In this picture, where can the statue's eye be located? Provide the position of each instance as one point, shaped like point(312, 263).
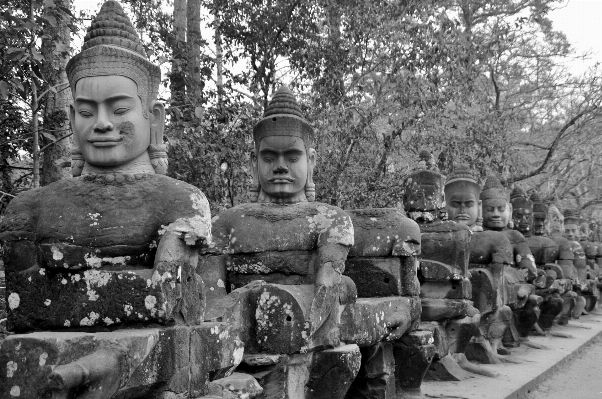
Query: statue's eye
point(293, 159)
point(121, 110)
point(85, 113)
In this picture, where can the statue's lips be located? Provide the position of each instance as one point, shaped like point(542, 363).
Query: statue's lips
point(105, 141)
point(496, 221)
point(280, 180)
point(462, 217)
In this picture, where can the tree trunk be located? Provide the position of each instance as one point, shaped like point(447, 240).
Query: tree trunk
point(193, 44)
point(178, 64)
point(56, 110)
point(219, 55)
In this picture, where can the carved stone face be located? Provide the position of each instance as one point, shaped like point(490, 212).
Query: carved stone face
point(571, 231)
point(282, 164)
point(462, 207)
point(496, 213)
point(424, 197)
point(522, 216)
point(539, 223)
point(555, 225)
point(108, 121)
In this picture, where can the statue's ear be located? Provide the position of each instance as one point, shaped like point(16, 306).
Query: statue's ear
point(311, 159)
point(157, 121)
point(72, 119)
point(310, 186)
point(254, 189)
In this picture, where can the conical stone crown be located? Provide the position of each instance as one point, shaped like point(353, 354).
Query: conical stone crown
point(283, 117)
point(283, 102)
point(538, 205)
point(493, 188)
point(112, 27)
point(518, 193)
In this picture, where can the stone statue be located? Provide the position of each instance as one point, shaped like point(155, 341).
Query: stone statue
point(590, 289)
point(383, 264)
point(445, 289)
point(545, 252)
point(566, 270)
point(462, 201)
point(115, 246)
point(278, 263)
point(573, 234)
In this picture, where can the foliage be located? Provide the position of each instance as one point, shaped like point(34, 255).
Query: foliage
point(471, 81)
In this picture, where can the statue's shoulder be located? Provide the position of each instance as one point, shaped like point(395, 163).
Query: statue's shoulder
point(541, 242)
point(391, 221)
point(442, 226)
point(19, 217)
point(173, 191)
point(515, 236)
point(383, 232)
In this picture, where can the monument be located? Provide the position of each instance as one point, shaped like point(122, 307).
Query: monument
point(445, 288)
point(108, 260)
point(278, 267)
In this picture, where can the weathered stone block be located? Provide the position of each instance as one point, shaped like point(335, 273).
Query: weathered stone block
point(283, 320)
point(455, 289)
point(50, 299)
point(212, 269)
point(412, 361)
point(372, 320)
point(151, 360)
point(487, 287)
point(381, 277)
point(235, 386)
point(443, 309)
point(448, 243)
point(376, 378)
point(332, 372)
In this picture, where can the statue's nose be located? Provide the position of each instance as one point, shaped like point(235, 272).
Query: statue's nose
point(103, 124)
point(280, 169)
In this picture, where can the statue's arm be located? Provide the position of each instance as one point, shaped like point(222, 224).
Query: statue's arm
point(18, 234)
point(333, 246)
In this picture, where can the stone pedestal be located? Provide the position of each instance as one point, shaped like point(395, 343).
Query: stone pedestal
point(136, 363)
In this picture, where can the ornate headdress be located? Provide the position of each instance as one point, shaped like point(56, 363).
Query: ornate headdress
point(464, 178)
point(538, 205)
point(283, 117)
point(493, 188)
point(570, 216)
point(112, 47)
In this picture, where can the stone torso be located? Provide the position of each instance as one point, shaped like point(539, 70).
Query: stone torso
point(277, 242)
point(99, 221)
point(544, 249)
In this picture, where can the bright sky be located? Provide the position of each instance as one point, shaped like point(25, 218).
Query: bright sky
point(581, 22)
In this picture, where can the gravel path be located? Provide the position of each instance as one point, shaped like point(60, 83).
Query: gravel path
point(579, 379)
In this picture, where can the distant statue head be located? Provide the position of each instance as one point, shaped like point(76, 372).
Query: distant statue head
point(495, 204)
point(284, 158)
point(555, 222)
point(540, 215)
point(117, 122)
point(462, 195)
point(423, 198)
point(571, 225)
point(522, 211)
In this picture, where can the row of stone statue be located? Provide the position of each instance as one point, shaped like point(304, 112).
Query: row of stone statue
point(120, 285)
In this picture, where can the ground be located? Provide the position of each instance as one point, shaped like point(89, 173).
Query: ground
point(581, 378)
